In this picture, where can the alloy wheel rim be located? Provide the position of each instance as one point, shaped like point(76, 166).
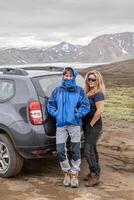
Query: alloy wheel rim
point(4, 157)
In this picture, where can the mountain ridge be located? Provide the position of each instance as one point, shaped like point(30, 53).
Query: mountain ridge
point(103, 48)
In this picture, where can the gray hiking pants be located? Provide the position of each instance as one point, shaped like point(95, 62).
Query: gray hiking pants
point(62, 134)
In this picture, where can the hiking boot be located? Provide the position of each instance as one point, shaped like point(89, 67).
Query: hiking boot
point(74, 181)
point(93, 180)
point(87, 177)
point(67, 179)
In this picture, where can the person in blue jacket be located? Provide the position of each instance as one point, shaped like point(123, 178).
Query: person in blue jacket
point(68, 104)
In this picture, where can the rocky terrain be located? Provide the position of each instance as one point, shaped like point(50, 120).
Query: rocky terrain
point(118, 73)
point(42, 179)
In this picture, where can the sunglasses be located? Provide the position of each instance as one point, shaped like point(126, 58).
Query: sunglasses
point(91, 79)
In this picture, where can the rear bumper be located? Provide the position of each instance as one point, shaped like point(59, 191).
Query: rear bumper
point(31, 141)
point(41, 151)
point(36, 151)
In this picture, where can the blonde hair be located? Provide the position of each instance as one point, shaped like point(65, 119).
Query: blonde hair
point(99, 84)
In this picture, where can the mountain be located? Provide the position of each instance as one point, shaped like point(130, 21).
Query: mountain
point(109, 47)
point(104, 48)
point(63, 52)
point(20, 56)
point(118, 73)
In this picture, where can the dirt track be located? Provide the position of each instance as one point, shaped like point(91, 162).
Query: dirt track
point(42, 180)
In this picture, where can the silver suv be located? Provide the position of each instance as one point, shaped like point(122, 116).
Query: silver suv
point(26, 129)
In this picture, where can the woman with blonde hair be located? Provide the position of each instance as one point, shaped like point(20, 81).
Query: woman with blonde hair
point(92, 124)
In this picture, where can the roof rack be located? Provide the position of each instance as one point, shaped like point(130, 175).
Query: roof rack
point(14, 71)
point(49, 68)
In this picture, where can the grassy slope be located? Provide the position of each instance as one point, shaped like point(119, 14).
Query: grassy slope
point(119, 81)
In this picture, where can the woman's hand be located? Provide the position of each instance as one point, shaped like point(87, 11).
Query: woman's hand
point(91, 124)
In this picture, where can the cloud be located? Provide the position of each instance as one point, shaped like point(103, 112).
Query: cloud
point(25, 42)
point(71, 20)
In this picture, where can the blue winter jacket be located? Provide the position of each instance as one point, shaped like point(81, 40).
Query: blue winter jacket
point(68, 103)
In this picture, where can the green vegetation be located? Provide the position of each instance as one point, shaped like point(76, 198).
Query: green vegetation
point(119, 103)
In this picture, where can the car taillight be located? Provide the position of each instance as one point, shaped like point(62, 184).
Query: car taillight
point(35, 113)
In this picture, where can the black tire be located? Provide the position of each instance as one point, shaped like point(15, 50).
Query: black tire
point(10, 161)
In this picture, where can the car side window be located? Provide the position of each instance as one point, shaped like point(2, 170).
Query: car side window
point(6, 89)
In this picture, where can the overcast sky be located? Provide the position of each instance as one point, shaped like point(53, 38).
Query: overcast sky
point(47, 22)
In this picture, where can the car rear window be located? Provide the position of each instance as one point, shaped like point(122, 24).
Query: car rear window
point(47, 84)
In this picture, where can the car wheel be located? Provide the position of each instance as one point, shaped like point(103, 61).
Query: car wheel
point(10, 161)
